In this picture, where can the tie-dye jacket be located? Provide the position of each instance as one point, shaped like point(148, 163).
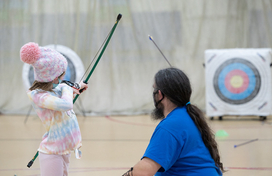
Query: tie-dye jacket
point(55, 111)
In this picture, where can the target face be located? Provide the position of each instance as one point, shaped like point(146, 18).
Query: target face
point(74, 71)
point(238, 82)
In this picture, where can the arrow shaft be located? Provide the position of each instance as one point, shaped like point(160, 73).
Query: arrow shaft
point(160, 51)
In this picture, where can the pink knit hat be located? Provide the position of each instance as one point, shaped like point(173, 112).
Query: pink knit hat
point(47, 63)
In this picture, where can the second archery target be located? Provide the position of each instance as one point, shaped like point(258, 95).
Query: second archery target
point(238, 82)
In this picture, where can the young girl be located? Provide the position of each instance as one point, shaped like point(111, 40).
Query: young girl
point(53, 103)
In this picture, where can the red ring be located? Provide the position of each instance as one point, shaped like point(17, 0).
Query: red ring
point(244, 86)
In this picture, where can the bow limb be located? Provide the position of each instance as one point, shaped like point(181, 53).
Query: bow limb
point(100, 55)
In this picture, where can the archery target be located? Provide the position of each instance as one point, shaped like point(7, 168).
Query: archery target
point(75, 68)
point(238, 82)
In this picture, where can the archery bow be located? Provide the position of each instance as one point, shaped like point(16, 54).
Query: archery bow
point(106, 41)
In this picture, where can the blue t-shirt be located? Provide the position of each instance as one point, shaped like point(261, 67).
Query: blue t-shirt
point(177, 146)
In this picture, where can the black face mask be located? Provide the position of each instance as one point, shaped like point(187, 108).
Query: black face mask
point(157, 113)
point(158, 102)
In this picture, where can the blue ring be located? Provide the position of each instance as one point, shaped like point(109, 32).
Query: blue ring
point(67, 74)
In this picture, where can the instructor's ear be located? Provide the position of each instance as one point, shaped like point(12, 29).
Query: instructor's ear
point(160, 94)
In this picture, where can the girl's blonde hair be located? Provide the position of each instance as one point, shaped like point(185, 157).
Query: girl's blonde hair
point(46, 86)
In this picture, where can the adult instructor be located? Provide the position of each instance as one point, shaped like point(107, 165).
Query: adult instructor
point(182, 143)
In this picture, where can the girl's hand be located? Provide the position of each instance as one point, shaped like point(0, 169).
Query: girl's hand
point(75, 91)
point(83, 86)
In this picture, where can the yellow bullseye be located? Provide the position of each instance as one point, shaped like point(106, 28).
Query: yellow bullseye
point(236, 81)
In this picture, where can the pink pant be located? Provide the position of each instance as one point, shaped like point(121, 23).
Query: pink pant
point(54, 165)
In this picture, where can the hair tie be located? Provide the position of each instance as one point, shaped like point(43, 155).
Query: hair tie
point(187, 103)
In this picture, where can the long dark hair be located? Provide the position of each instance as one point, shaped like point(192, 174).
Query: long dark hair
point(175, 85)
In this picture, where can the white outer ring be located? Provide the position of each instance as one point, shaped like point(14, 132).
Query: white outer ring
point(251, 107)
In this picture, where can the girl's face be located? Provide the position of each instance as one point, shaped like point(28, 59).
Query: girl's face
point(56, 81)
point(61, 77)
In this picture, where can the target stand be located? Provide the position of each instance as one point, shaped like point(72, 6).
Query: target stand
point(74, 71)
point(238, 82)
